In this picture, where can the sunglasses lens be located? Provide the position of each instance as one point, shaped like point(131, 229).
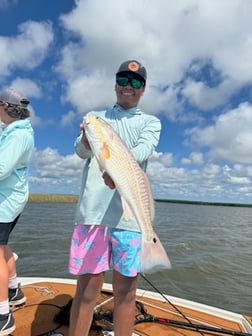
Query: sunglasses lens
point(122, 81)
point(136, 84)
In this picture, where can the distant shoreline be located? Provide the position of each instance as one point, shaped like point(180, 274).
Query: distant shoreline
point(53, 198)
point(62, 198)
point(205, 203)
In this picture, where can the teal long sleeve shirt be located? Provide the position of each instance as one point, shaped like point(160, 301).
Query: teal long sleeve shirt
point(98, 204)
point(16, 148)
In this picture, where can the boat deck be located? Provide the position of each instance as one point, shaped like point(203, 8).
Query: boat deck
point(45, 300)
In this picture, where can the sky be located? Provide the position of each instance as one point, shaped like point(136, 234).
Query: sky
point(63, 55)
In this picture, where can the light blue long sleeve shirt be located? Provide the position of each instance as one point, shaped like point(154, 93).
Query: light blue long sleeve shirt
point(98, 204)
point(16, 148)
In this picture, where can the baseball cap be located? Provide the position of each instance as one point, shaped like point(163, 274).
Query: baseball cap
point(13, 97)
point(133, 66)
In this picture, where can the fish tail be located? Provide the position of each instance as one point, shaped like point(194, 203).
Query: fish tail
point(153, 256)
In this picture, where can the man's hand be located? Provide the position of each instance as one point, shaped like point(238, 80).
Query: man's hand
point(108, 180)
point(84, 138)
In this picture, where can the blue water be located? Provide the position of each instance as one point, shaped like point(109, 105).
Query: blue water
point(210, 248)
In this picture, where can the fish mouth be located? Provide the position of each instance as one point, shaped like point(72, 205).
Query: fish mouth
point(86, 120)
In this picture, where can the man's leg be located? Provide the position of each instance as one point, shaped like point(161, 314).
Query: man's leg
point(124, 289)
point(10, 262)
point(87, 292)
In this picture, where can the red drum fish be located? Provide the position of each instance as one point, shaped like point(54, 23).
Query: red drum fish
point(115, 158)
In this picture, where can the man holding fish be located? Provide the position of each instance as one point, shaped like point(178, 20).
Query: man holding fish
point(113, 224)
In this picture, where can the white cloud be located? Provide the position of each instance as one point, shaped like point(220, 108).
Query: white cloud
point(51, 164)
point(206, 98)
point(67, 119)
point(211, 170)
point(80, 88)
point(27, 49)
point(27, 86)
point(194, 158)
point(239, 180)
point(229, 138)
point(164, 158)
point(52, 170)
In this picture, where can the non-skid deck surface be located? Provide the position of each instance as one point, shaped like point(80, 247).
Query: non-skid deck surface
point(45, 299)
point(43, 302)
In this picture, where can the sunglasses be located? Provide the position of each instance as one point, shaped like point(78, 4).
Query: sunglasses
point(124, 81)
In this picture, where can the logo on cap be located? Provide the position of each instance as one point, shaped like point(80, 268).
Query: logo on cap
point(133, 66)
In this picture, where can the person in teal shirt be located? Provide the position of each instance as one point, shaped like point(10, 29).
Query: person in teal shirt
point(102, 239)
point(16, 149)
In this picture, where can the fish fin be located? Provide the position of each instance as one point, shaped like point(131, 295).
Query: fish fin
point(105, 151)
point(127, 214)
point(153, 256)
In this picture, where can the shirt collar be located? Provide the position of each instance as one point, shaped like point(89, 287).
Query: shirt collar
point(132, 110)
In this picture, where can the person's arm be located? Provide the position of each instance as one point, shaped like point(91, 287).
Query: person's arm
point(148, 140)
point(81, 145)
